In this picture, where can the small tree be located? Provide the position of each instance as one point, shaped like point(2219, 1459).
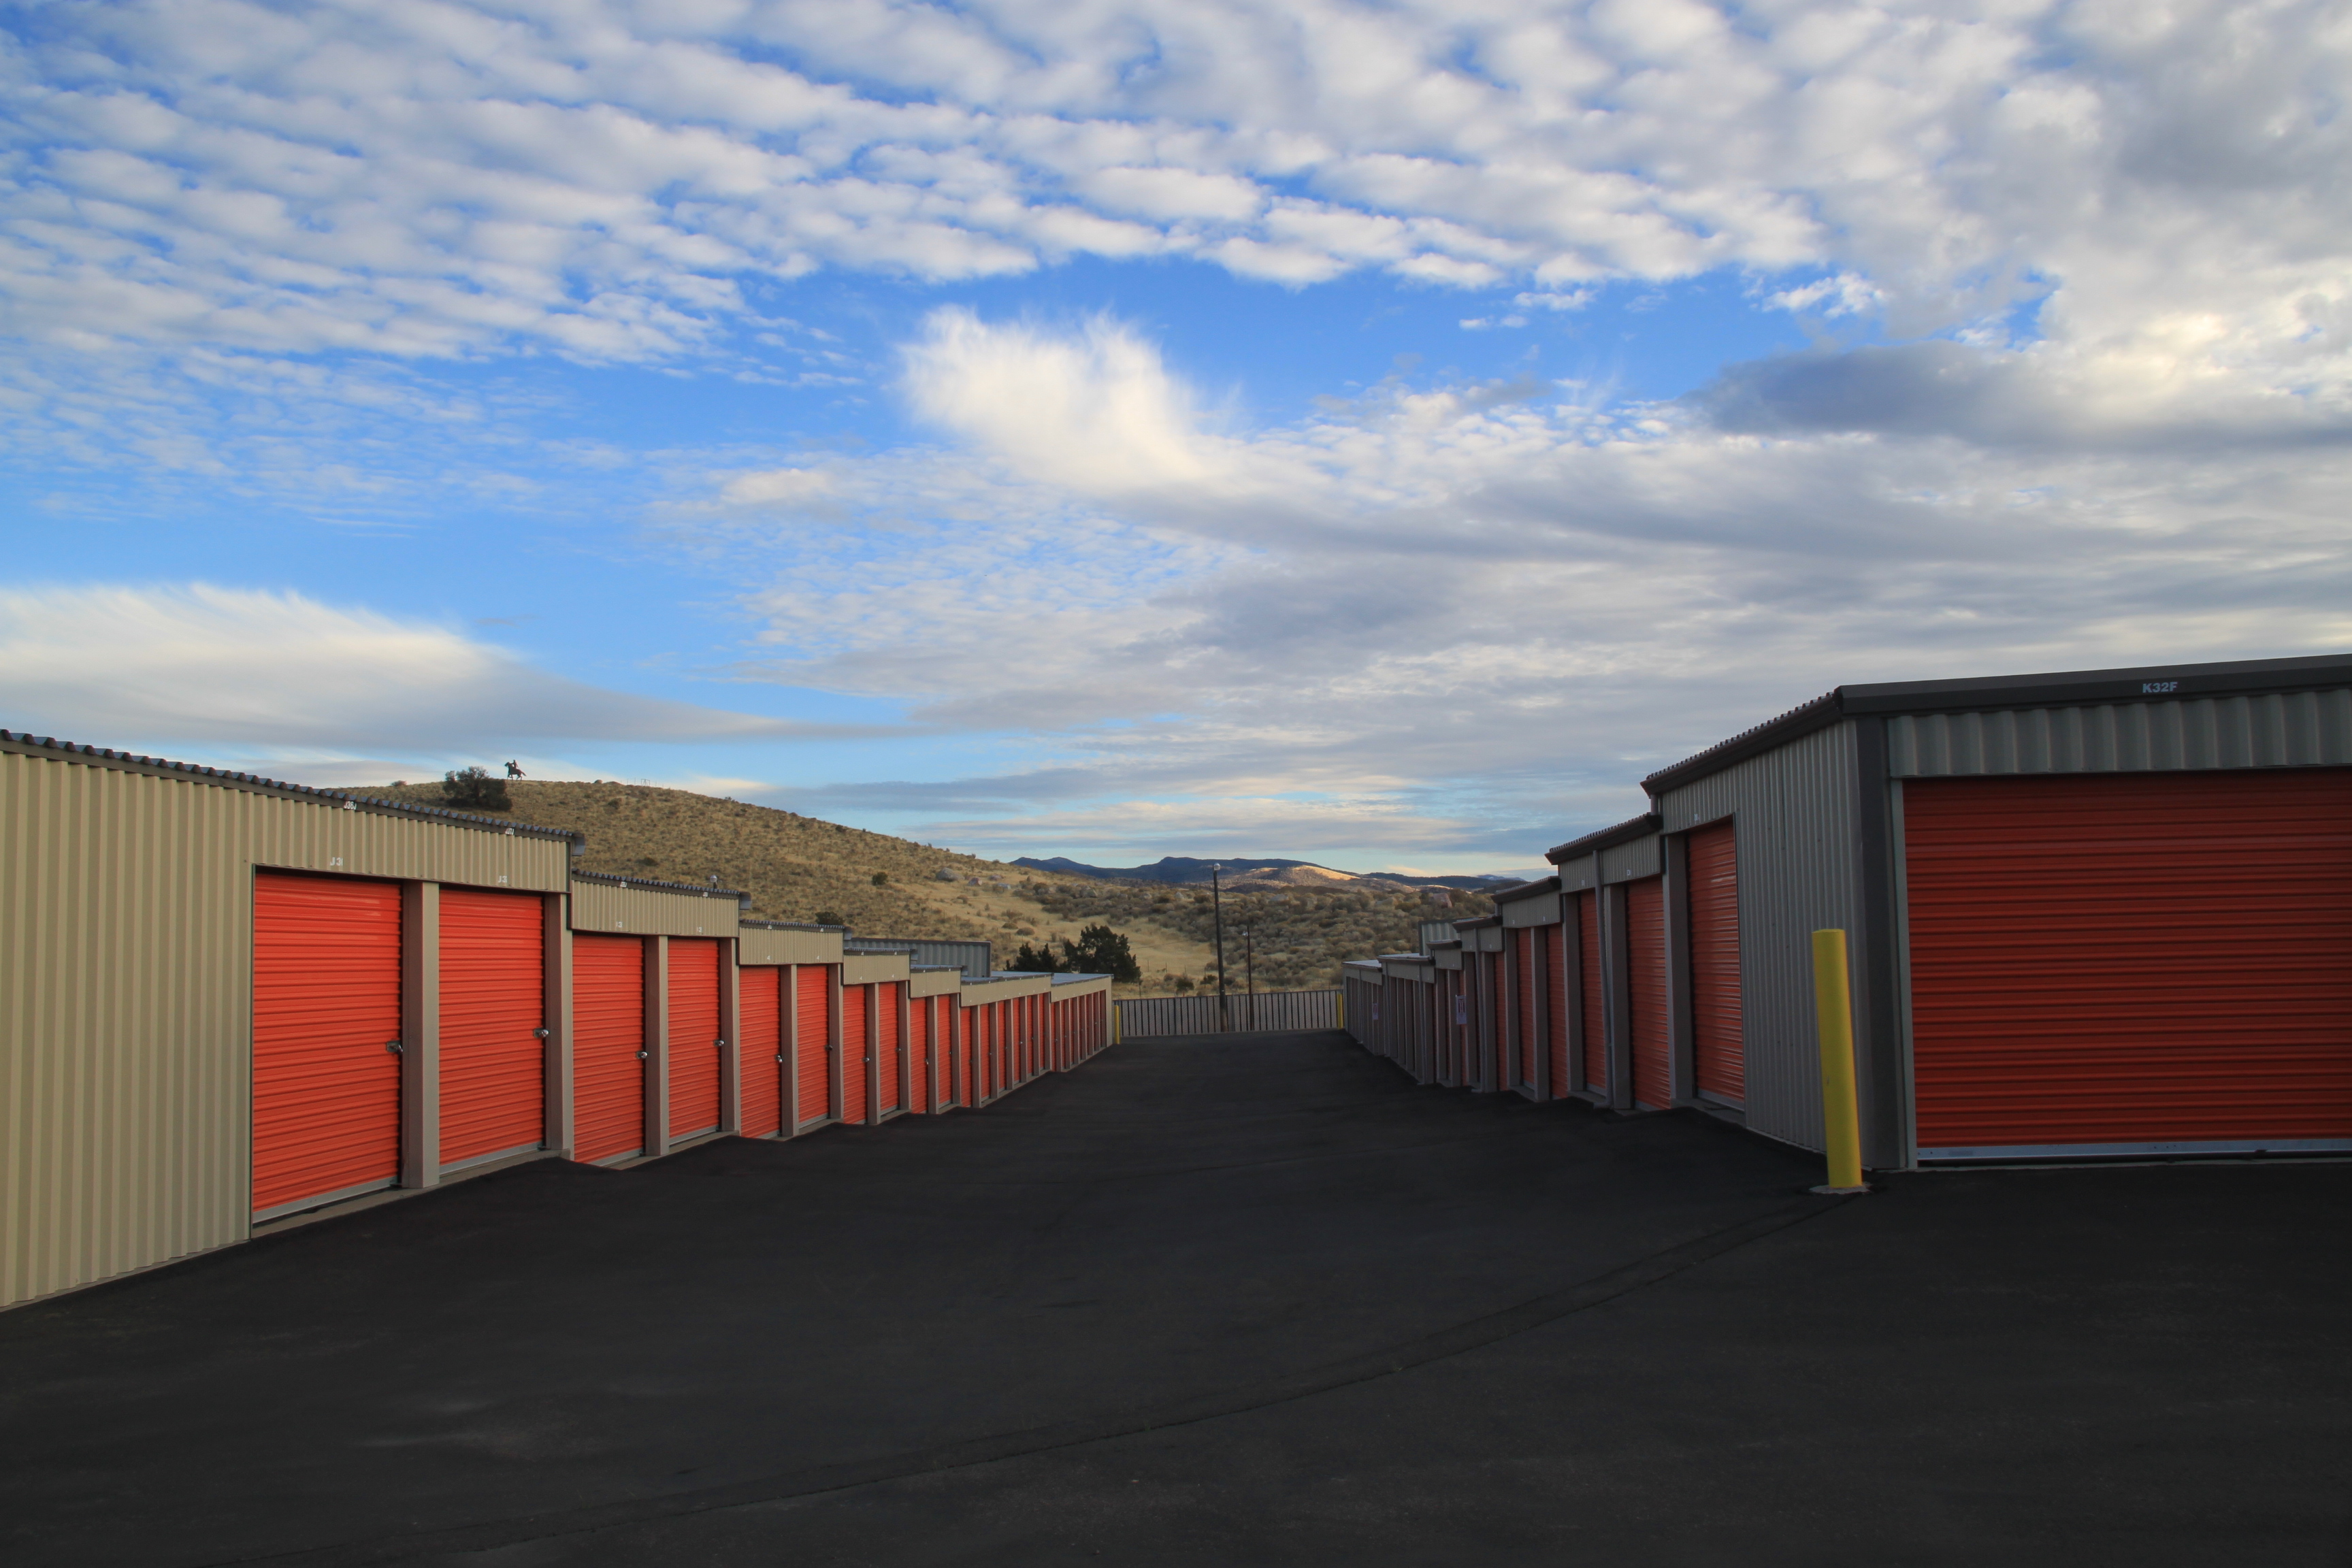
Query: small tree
point(1101, 950)
point(1029, 960)
point(473, 789)
point(826, 918)
point(881, 879)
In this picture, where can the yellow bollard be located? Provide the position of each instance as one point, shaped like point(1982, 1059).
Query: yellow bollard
point(1840, 1116)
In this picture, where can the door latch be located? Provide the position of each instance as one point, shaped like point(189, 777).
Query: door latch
point(719, 1045)
point(395, 1046)
point(642, 1055)
point(539, 1034)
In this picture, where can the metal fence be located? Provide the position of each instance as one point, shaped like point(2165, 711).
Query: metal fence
point(1147, 1015)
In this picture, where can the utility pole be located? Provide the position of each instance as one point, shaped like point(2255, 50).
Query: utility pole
point(1249, 972)
point(1217, 915)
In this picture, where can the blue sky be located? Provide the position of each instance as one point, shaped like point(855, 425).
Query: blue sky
point(1375, 435)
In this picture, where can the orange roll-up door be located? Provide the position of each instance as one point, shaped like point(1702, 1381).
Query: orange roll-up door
point(608, 1047)
point(890, 1052)
point(856, 1052)
point(816, 1062)
point(693, 1036)
point(1554, 940)
point(1524, 988)
point(1718, 1060)
point(493, 1005)
point(760, 1016)
point(2131, 959)
point(999, 1020)
point(1596, 1025)
point(957, 1084)
point(326, 999)
point(1646, 958)
point(919, 1054)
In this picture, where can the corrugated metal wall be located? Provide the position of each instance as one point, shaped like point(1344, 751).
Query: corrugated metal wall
point(972, 957)
point(126, 966)
point(1799, 872)
point(2301, 729)
point(655, 910)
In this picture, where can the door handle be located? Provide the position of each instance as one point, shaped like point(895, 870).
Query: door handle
point(395, 1046)
point(643, 1055)
point(539, 1034)
point(718, 1044)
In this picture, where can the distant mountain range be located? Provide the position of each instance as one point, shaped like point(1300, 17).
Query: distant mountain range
point(1181, 868)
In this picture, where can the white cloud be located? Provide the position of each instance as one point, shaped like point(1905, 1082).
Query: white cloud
point(1438, 614)
point(1096, 410)
point(601, 177)
point(2110, 241)
point(144, 666)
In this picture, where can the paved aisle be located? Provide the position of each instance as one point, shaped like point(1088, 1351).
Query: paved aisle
point(1201, 1302)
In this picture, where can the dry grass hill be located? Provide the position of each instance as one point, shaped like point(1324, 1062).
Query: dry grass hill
point(800, 869)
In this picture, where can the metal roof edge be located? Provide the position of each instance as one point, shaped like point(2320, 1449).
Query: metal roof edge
point(1481, 923)
point(1625, 832)
point(770, 925)
point(2056, 688)
point(2076, 688)
point(655, 885)
point(164, 767)
point(1535, 888)
point(1802, 720)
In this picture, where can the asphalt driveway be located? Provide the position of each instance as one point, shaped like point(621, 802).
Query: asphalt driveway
point(1257, 1300)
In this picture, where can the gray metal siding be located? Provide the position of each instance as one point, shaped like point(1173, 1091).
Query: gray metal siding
point(974, 958)
point(1627, 862)
point(1540, 910)
point(1799, 844)
point(2300, 728)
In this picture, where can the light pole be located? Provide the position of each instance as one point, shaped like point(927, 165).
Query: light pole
point(1217, 915)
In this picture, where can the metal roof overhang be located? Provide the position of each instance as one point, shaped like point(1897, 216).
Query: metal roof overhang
point(1625, 832)
point(2065, 689)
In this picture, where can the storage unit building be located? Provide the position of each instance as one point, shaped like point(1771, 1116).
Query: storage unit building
point(2091, 913)
point(1081, 1010)
point(1535, 1022)
point(679, 940)
point(1409, 1013)
point(1482, 979)
point(789, 1019)
point(225, 1004)
point(1452, 1003)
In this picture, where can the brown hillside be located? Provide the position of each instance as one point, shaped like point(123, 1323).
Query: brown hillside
point(800, 869)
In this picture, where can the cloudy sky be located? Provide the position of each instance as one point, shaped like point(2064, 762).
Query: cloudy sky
point(1371, 433)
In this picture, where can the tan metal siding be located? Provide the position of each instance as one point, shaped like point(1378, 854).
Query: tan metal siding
point(872, 969)
point(755, 945)
point(125, 995)
point(651, 911)
point(2299, 729)
point(1799, 872)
